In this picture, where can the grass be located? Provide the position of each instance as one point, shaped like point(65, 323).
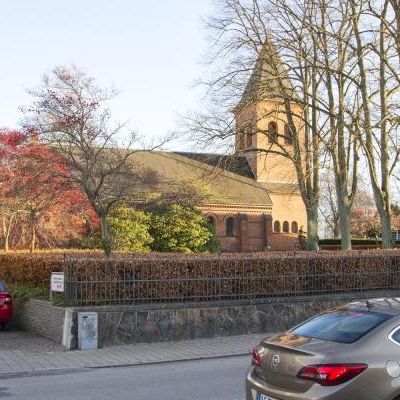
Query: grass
point(20, 294)
point(24, 293)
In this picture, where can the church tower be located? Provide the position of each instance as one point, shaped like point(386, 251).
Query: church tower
point(263, 134)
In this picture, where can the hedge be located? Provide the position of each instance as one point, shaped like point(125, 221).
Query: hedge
point(135, 278)
point(336, 241)
point(239, 276)
point(34, 270)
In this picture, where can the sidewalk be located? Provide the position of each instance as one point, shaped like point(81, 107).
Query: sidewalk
point(21, 353)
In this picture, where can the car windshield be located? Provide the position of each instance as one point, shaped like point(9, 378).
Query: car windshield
point(341, 326)
point(2, 286)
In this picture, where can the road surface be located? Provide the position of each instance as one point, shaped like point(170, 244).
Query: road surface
point(212, 379)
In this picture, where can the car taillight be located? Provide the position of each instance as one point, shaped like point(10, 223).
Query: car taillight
point(331, 374)
point(7, 300)
point(256, 360)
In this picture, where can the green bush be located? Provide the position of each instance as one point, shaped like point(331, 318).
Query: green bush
point(181, 228)
point(337, 241)
point(130, 230)
point(23, 293)
point(212, 245)
point(165, 228)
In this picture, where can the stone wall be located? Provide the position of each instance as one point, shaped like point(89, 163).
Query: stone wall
point(40, 317)
point(173, 322)
point(122, 326)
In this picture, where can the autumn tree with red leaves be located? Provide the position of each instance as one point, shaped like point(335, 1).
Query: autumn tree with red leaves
point(365, 220)
point(11, 207)
point(40, 202)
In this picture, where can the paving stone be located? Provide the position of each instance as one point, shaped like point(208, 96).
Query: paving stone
point(21, 352)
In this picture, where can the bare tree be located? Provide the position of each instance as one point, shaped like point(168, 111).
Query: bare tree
point(328, 205)
point(69, 113)
point(247, 31)
point(332, 34)
point(376, 46)
point(314, 37)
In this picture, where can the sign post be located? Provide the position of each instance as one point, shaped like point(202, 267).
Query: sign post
point(56, 283)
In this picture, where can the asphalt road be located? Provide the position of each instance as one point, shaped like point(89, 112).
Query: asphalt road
point(212, 379)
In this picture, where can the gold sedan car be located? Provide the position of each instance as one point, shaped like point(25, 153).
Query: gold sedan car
point(348, 353)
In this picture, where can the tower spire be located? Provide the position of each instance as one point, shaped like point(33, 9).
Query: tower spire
point(268, 80)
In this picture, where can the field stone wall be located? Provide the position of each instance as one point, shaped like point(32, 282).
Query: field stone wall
point(124, 326)
point(173, 322)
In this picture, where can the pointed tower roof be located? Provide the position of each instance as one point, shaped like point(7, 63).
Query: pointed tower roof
point(264, 80)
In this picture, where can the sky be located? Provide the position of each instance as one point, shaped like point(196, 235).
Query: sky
point(150, 50)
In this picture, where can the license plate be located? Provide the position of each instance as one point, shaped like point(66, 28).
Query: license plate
point(261, 396)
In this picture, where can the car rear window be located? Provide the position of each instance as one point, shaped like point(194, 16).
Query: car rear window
point(341, 326)
point(2, 286)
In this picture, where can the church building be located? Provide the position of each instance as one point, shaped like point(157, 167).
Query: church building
point(252, 196)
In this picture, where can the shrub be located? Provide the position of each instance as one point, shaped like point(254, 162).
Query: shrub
point(180, 228)
point(155, 277)
point(177, 227)
point(337, 241)
point(160, 278)
point(130, 230)
point(32, 270)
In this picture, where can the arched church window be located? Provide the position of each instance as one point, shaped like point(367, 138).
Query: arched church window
point(273, 132)
point(295, 227)
point(285, 227)
point(277, 227)
point(230, 226)
point(288, 135)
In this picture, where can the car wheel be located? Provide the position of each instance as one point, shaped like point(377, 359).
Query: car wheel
point(3, 326)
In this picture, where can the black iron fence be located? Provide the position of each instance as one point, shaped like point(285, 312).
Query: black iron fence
point(181, 278)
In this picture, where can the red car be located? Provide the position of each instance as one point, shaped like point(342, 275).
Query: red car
point(6, 305)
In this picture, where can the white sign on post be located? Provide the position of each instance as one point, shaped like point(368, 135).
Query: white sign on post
point(57, 282)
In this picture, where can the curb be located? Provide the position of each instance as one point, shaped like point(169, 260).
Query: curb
point(40, 372)
point(198, 358)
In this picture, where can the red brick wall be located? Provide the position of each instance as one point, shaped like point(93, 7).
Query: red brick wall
point(284, 241)
point(252, 233)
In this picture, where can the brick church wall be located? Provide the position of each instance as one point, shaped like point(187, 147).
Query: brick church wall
point(256, 240)
point(254, 232)
point(284, 241)
point(249, 233)
point(289, 207)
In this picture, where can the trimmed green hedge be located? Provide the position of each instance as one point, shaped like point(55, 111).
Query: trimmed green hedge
point(337, 241)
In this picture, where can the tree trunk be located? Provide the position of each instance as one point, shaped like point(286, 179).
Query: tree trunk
point(336, 227)
point(105, 235)
point(312, 228)
point(380, 185)
point(33, 239)
point(7, 232)
point(345, 235)
point(387, 239)
point(5, 245)
point(7, 242)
